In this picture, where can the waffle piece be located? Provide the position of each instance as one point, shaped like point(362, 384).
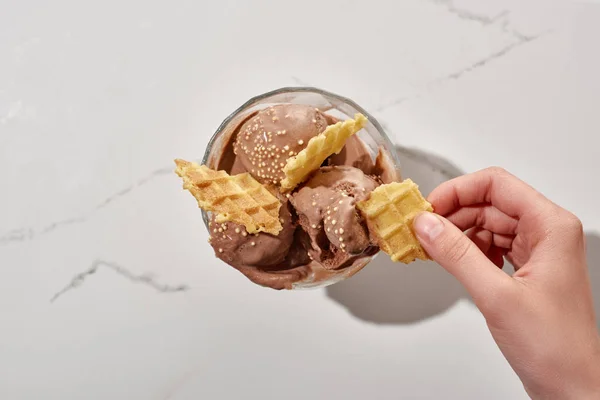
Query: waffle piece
point(239, 198)
point(330, 141)
point(390, 211)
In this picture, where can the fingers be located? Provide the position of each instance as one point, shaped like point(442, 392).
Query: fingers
point(484, 216)
point(484, 240)
point(494, 186)
point(489, 239)
point(454, 251)
point(496, 255)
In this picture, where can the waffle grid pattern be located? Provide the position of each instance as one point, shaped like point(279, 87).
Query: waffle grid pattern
point(389, 212)
point(239, 198)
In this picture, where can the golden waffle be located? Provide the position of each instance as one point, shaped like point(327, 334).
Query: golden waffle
point(390, 211)
point(330, 141)
point(239, 198)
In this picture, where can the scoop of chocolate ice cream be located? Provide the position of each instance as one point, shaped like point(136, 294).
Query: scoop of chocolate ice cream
point(268, 139)
point(234, 245)
point(326, 208)
point(312, 249)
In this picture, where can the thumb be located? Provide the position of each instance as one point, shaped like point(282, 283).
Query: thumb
point(453, 250)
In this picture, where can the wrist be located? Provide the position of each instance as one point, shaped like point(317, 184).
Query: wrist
point(570, 378)
point(586, 379)
point(591, 388)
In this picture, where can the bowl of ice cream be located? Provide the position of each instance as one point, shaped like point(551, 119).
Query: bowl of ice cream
point(323, 239)
point(301, 188)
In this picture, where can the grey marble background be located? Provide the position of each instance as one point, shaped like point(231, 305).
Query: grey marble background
point(108, 289)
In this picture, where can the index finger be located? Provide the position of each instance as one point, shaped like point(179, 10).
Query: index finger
point(493, 186)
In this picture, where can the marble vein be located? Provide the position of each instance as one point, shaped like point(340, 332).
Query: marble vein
point(469, 15)
point(144, 279)
point(30, 233)
point(520, 41)
point(491, 57)
point(483, 19)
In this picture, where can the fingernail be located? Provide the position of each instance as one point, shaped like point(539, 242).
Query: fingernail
point(427, 226)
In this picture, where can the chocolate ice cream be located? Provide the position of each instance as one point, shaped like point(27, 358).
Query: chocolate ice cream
point(324, 237)
point(325, 206)
point(267, 140)
point(234, 245)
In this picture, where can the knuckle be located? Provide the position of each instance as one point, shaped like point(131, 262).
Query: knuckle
point(571, 224)
point(495, 170)
point(480, 217)
point(562, 227)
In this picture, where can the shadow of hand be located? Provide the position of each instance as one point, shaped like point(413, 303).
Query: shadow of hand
point(593, 259)
point(391, 293)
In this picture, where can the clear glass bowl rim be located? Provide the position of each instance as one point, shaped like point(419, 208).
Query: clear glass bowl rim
point(300, 89)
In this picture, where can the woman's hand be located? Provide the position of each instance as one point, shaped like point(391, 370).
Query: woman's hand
point(542, 316)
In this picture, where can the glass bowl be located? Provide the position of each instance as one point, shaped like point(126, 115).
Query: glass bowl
point(342, 108)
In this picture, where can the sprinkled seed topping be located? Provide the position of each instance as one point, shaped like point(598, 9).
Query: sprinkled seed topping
point(253, 244)
point(333, 222)
point(341, 239)
point(343, 246)
point(220, 250)
point(328, 229)
point(341, 201)
point(215, 230)
point(244, 234)
point(341, 231)
point(335, 208)
point(336, 231)
point(313, 226)
point(300, 142)
point(220, 230)
point(314, 121)
point(237, 230)
point(314, 203)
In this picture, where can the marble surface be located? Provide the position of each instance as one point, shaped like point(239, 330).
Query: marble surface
point(108, 289)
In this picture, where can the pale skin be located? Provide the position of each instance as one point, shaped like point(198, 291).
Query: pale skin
point(542, 316)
